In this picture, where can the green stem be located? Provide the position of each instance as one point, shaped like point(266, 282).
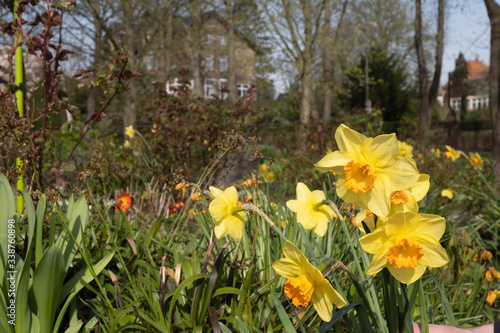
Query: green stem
point(19, 80)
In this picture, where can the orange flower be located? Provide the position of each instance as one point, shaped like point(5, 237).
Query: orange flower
point(475, 257)
point(492, 296)
point(123, 202)
point(485, 255)
point(182, 186)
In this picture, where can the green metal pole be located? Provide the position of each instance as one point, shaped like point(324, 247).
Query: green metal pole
point(19, 79)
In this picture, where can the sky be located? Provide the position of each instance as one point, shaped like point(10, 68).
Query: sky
point(467, 30)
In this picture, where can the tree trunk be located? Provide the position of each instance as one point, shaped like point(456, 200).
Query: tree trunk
point(494, 75)
point(433, 90)
point(425, 115)
point(328, 47)
point(92, 96)
point(231, 74)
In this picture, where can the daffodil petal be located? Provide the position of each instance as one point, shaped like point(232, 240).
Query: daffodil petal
point(318, 195)
point(218, 209)
point(232, 195)
point(348, 196)
point(323, 298)
point(220, 229)
point(378, 200)
point(381, 151)
point(421, 187)
point(434, 255)
point(291, 251)
point(321, 228)
point(410, 206)
point(303, 192)
point(431, 225)
point(334, 161)
point(407, 275)
point(287, 268)
point(235, 226)
point(348, 139)
point(402, 174)
point(307, 218)
point(295, 205)
point(373, 242)
point(378, 263)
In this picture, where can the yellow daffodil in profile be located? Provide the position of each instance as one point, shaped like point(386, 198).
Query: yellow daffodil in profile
point(406, 200)
point(406, 244)
point(311, 210)
point(405, 149)
point(447, 193)
point(229, 217)
point(130, 132)
point(305, 283)
point(476, 160)
point(368, 218)
point(451, 153)
point(368, 169)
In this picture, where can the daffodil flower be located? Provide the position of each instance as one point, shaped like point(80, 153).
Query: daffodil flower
point(305, 283)
point(368, 218)
point(130, 132)
point(476, 160)
point(406, 244)
point(405, 149)
point(447, 193)
point(368, 169)
point(229, 217)
point(311, 210)
point(407, 200)
point(451, 153)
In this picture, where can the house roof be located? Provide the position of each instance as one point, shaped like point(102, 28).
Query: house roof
point(477, 70)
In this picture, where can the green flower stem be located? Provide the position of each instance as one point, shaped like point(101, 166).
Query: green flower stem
point(19, 80)
point(235, 210)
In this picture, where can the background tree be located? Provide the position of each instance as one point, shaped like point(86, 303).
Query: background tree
point(389, 88)
point(428, 94)
point(494, 77)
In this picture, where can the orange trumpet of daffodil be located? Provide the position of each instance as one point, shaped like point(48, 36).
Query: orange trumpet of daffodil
point(305, 283)
point(406, 244)
point(228, 215)
point(311, 210)
point(369, 170)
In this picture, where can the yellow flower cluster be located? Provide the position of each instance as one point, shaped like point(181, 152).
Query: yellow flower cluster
point(378, 175)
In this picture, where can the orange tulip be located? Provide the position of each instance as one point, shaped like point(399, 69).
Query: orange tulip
point(123, 202)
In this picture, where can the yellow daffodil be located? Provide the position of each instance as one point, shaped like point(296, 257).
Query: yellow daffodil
point(406, 244)
point(476, 160)
point(270, 177)
point(451, 153)
point(447, 193)
point(368, 169)
point(406, 200)
point(228, 215)
point(130, 132)
point(436, 152)
point(312, 213)
point(305, 283)
point(405, 149)
point(127, 144)
point(263, 168)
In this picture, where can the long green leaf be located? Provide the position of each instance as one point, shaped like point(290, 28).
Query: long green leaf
point(285, 320)
point(446, 304)
point(76, 219)
point(335, 318)
point(47, 282)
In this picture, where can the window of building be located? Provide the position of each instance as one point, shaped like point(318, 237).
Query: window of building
point(223, 40)
point(209, 62)
point(223, 85)
point(209, 88)
point(151, 61)
point(210, 39)
point(223, 63)
point(242, 89)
